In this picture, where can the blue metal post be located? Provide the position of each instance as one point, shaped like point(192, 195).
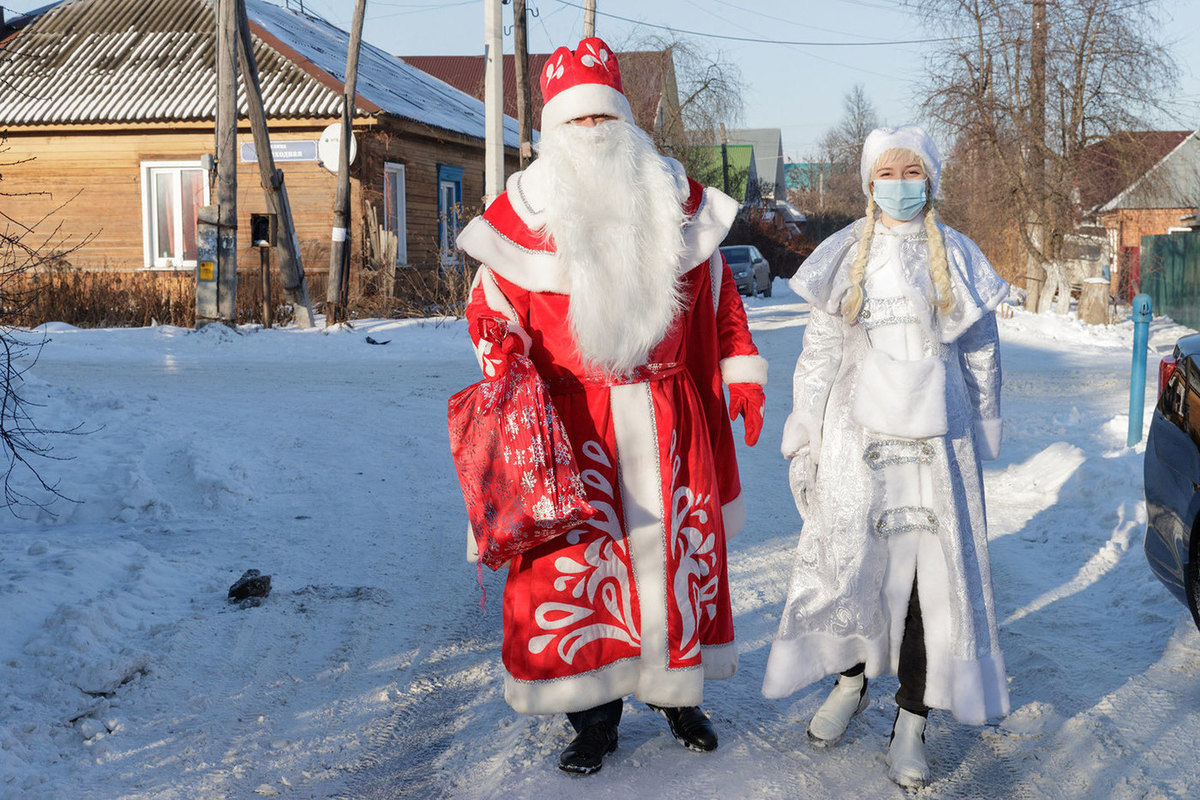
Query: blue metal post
point(1137, 380)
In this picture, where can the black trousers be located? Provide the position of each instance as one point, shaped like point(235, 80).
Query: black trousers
point(913, 666)
point(605, 712)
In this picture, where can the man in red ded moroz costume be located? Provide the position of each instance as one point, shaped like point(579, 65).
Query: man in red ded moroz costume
point(602, 257)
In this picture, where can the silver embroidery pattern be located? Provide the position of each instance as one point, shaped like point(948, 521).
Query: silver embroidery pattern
point(904, 519)
point(882, 453)
point(879, 311)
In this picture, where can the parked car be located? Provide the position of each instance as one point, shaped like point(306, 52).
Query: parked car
point(1172, 476)
point(750, 269)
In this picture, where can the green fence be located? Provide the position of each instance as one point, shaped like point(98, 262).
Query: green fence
point(1170, 266)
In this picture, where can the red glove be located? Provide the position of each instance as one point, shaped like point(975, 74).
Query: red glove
point(748, 401)
point(500, 345)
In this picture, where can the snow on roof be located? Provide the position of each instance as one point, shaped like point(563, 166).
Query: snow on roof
point(384, 80)
point(128, 61)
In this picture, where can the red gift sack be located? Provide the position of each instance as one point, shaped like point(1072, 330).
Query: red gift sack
point(518, 473)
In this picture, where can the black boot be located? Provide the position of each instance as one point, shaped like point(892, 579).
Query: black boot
point(585, 754)
point(690, 726)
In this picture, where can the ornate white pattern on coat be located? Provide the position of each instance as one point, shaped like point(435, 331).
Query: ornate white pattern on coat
point(694, 548)
point(603, 572)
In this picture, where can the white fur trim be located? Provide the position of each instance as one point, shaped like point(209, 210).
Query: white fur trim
point(704, 232)
point(733, 514)
point(584, 99)
point(796, 663)
point(988, 433)
point(645, 524)
point(716, 271)
point(576, 693)
point(532, 270)
point(905, 137)
point(901, 398)
point(472, 546)
point(744, 369)
point(799, 432)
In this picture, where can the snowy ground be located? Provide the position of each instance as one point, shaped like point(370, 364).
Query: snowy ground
point(372, 672)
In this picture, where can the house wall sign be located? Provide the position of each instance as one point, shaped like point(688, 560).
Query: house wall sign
point(299, 150)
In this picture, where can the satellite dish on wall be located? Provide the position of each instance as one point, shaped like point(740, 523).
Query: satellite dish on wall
point(329, 148)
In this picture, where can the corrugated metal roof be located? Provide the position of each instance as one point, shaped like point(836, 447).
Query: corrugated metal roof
point(1174, 182)
point(136, 61)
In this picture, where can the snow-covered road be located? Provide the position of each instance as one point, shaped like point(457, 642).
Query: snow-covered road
point(371, 670)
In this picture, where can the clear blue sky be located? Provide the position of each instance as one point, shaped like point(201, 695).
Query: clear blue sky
point(797, 88)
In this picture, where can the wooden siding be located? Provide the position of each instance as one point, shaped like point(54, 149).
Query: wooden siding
point(89, 182)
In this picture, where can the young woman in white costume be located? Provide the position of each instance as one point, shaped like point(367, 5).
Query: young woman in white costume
point(896, 402)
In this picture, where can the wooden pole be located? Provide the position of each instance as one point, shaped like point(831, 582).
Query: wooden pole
point(223, 308)
point(493, 102)
point(339, 260)
point(291, 267)
point(589, 19)
point(524, 101)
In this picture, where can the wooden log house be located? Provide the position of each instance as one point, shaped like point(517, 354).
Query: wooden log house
point(107, 114)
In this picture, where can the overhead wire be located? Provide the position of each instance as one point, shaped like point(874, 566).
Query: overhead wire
point(759, 40)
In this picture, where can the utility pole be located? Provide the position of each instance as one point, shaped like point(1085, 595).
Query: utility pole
point(724, 160)
point(291, 268)
point(216, 268)
point(524, 102)
point(493, 102)
point(339, 255)
point(589, 19)
point(1035, 272)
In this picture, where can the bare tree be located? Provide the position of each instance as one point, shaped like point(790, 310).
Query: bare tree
point(22, 440)
point(1023, 103)
point(710, 91)
point(841, 148)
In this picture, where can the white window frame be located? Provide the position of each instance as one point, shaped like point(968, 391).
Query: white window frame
point(449, 231)
point(397, 211)
point(149, 209)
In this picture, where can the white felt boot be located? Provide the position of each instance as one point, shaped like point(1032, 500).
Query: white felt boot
point(849, 696)
point(906, 754)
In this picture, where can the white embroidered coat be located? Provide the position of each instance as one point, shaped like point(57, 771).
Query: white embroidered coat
point(884, 508)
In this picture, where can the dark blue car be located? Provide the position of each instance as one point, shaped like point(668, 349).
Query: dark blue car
point(1172, 476)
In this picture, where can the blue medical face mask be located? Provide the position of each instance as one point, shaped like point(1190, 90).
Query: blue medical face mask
point(899, 199)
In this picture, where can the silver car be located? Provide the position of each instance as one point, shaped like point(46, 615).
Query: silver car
point(750, 269)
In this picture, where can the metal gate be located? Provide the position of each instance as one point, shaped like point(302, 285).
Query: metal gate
point(1170, 266)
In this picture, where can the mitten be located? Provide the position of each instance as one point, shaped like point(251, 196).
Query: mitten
point(802, 476)
point(748, 401)
point(496, 344)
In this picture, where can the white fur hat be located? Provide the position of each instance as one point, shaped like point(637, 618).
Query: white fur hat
point(905, 137)
point(580, 83)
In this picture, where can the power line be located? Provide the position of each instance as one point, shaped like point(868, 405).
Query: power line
point(758, 40)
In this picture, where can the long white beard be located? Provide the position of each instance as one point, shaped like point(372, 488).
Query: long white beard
point(615, 213)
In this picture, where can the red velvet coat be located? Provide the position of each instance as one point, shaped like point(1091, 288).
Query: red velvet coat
point(637, 600)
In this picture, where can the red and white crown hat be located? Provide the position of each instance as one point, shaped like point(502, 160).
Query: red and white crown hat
point(582, 83)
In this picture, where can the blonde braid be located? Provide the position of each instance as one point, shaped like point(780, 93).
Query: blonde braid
point(939, 268)
point(858, 270)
